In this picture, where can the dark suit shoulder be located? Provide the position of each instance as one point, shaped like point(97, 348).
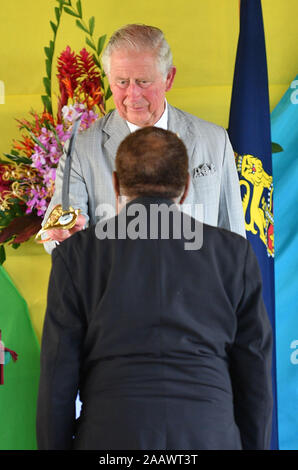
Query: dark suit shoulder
point(82, 244)
point(225, 235)
point(88, 262)
point(227, 246)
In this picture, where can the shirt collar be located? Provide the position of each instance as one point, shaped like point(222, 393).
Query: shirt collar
point(162, 122)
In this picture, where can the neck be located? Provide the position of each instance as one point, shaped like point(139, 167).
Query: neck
point(123, 200)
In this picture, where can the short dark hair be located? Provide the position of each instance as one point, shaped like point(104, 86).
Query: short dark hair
point(152, 162)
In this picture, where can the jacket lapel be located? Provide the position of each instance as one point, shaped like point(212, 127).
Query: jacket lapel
point(182, 127)
point(116, 130)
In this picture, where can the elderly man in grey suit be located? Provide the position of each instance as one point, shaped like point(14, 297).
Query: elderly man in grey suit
point(139, 67)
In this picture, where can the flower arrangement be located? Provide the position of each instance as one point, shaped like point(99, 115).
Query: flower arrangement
point(27, 174)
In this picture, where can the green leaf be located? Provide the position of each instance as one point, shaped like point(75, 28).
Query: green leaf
point(108, 93)
point(15, 245)
point(91, 25)
point(100, 44)
point(80, 25)
point(18, 158)
point(7, 217)
point(2, 254)
point(48, 53)
point(276, 148)
point(79, 8)
point(58, 14)
point(37, 141)
point(64, 2)
point(47, 103)
point(96, 61)
point(52, 46)
point(47, 85)
point(54, 27)
point(90, 44)
point(71, 12)
point(48, 68)
point(13, 153)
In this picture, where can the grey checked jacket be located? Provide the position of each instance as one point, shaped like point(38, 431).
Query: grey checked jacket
point(214, 179)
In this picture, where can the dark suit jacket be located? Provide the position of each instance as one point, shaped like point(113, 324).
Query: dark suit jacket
point(169, 348)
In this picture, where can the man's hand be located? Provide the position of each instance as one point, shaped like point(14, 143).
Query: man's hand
point(59, 235)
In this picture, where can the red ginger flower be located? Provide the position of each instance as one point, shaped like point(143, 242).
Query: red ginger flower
point(87, 66)
point(68, 68)
point(68, 74)
point(91, 79)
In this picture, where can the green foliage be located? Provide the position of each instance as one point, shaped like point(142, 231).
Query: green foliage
point(15, 225)
point(276, 148)
point(81, 26)
point(49, 52)
point(17, 158)
point(2, 254)
point(100, 44)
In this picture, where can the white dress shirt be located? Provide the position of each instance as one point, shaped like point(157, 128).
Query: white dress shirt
point(162, 122)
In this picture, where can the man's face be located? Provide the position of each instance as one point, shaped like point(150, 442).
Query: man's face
point(138, 86)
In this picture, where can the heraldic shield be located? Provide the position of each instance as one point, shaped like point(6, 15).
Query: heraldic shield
point(257, 199)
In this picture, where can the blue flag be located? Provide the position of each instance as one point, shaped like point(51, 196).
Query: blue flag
point(250, 135)
point(284, 129)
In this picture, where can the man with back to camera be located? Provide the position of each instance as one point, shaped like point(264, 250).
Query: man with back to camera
point(139, 67)
point(170, 348)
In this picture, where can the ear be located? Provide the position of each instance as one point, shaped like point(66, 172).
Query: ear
point(170, 78)
point(186, 188)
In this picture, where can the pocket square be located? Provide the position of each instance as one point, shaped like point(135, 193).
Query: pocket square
point(204, 169)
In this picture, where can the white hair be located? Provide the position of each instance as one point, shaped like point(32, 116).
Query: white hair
point(140, 37)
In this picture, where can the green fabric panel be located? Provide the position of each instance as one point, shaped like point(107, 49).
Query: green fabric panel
point(18, 395)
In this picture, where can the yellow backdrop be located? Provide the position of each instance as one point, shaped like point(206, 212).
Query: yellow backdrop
point(203, 36)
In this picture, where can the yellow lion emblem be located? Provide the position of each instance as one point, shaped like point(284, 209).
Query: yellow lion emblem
point(258, 206)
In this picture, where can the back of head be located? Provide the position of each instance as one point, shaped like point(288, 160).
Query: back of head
point(140, 37)
point(152, 162)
